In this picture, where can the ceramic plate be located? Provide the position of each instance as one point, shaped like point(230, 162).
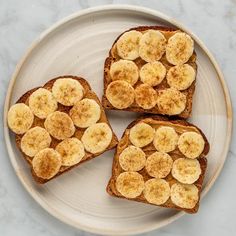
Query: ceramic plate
point(78, 45)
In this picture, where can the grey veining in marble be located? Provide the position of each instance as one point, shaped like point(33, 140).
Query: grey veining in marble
point(214, 21)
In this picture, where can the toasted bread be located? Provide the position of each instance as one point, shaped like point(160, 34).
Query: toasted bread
point(88, 93)
point(133, 106)
point(180, 126)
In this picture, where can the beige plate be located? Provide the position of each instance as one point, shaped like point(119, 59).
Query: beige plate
point(78, 45)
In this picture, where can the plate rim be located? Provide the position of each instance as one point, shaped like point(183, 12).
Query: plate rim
point(60, 23)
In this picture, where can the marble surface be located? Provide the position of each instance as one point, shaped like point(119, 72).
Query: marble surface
point(214, 21)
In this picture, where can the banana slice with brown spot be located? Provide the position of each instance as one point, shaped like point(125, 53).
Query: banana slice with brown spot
point(145, 96)
point(179, 48)
point(124, 70)
point(120, 94)
point(132, 159)
point(20, 118)
point(46, 163)
point(159, 164)
point(184, 195)
point(130, 184)
point(165, 139)
point(152, 73)
point(42, 103)
point(67, 91)
point(181, 77)
point(152, 45)
point(171, 101)
point(191, 144)
point(85, 113)
point(59, 125)
point(156, 191)
point(186, 171)
point(128, 45)
point(141, 134)
point(97, 137)
point(71, 151)
point(34, 140)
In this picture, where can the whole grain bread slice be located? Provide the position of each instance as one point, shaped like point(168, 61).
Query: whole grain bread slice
point(88, 93)
point(113, 56)
point(149, 149)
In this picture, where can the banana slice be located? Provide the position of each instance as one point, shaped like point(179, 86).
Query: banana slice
point(184, 195)
point(97, 137)
point(145, 96)
point(85, 113)
point(171, 101)
point(152, 73)
point(156, 191)
point(128, 45)
point(159, 164)
point(46, 163)
point(124, 70)
point(34, 140)
point(120, 94)
point(20, 118)
point(42, 103)
point(179, 48)
point(67, 91)
point(165, 139)
point(59, 125)
point(181, 77)
point(130, 184)
point(71, 151)
point(186, 171)
point(132, 159)
point(191, 144)
point(152, 45)
point(141, 134)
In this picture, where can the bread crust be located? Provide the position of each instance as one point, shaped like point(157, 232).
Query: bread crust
point(88, 93)
point(116, 169)
point(189, 92)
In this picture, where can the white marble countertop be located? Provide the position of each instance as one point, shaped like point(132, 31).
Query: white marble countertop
point(214, 21)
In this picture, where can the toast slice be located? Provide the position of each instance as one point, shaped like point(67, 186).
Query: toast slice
point(161, 170)
point(148, 100)
point(78, 131)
